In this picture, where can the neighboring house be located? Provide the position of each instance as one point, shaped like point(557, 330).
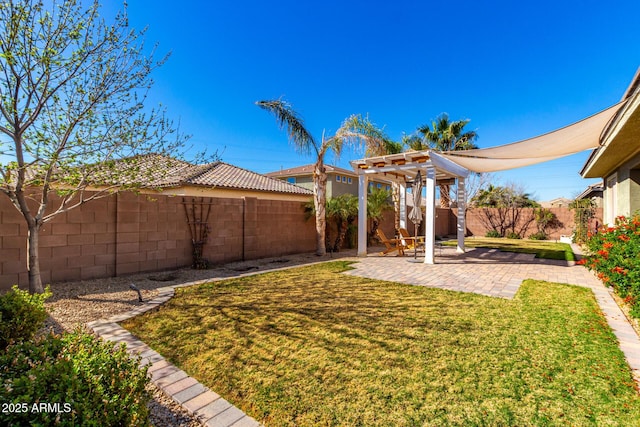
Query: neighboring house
point(560, 202)
point(162, 174)
point(593, 192)
point(246, 216)
point(339, 180)
point(224, 180)
point(617, 160)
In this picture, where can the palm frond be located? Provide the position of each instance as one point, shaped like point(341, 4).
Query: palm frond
point(358, 130)
point(290, 121)
point(447, 135)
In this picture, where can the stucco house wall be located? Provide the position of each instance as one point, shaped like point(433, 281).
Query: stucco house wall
point(617, 160)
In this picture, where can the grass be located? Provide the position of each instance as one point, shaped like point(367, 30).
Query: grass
point(310, 346)
point(542, 248)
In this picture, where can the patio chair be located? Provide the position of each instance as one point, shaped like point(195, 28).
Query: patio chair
point(392, 245)
point(416, 243)
point(411, 242)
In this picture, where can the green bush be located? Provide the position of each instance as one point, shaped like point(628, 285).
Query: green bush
point(540, 235)
point(21, 315)
point(615, 256)
point(84, 380)
point(493, 233)
point(513, 235)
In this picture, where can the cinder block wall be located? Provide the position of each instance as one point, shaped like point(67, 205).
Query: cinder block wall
point(130, 233)
point(476, 226)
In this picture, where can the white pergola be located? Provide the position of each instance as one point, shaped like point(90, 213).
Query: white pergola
point(403, 168)
point(450, 166)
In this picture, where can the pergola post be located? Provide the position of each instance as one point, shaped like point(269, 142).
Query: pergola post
point(462, 227)
point(403, 204)
point(362, 215)
point(430, 217)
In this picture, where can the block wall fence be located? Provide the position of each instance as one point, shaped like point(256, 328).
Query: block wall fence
point(564, 215)
point(130, 233)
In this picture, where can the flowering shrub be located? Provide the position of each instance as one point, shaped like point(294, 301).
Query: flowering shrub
point(615, 257)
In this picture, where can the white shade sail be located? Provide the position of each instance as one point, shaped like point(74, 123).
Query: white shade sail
point(572, 139)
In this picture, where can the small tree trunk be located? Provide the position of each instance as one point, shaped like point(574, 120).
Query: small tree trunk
point(320, 199)
point(374, 227)
point(342, 232)
point(33, 263)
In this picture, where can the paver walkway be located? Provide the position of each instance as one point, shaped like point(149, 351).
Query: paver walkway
point(499, 274)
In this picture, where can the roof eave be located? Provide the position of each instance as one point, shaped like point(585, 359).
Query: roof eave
point(599, 165)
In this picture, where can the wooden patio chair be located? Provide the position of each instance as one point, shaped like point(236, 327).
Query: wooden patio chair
point(411, 242)
point(416, 243)
point(392, 245)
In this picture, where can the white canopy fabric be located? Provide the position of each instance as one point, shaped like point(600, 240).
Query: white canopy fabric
point(572, 139)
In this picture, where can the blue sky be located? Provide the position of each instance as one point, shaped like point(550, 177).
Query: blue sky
point(515, 69)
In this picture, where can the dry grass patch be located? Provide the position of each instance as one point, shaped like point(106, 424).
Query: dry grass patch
point(310, 346)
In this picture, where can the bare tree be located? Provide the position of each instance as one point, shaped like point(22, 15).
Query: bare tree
point(72, 92)
point(505, 209)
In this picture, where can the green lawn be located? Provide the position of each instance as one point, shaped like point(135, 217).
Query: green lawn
point(310, 346)
point(542, 248)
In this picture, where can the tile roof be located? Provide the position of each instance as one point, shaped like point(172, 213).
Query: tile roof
point(308, 170)
point(221, 174)
point(162, 172)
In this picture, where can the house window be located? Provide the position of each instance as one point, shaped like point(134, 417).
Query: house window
point(350, 180)
point(611, 206)
point(344, 179)
point(387, 188)
point(337, 178)
point(291, 180)
point(379, 185)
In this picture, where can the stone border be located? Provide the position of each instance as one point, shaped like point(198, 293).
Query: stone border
point(205, 405)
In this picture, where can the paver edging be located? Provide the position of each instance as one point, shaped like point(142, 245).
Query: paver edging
point(213, 412)
point(110, 330)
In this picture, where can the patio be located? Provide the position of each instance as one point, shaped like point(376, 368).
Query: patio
point(482, 271)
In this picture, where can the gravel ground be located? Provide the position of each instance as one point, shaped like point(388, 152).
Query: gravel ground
point(75, 303)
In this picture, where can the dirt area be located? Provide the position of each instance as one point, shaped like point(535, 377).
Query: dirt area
point(75, 303)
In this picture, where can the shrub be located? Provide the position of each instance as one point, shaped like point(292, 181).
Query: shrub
point(615, 256)
point(493, 233)
point(513, 235)
point(21, 315)
point(88, 381)
point(584, 210)
point(540, 235)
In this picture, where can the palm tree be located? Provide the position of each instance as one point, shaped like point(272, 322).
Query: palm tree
point(343, 210)
point(445, 135)
point(354, 130)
